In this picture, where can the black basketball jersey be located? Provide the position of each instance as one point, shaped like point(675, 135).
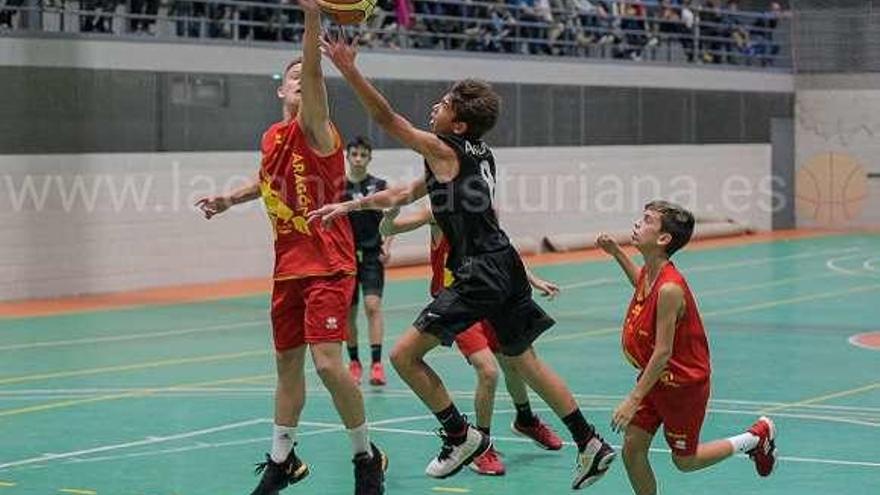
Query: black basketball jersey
point(365, 223)
point(464, 207)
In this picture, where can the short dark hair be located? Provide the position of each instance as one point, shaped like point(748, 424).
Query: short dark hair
point(475, 103)
point(292, 64)
point(359, 142)
point(676, 221)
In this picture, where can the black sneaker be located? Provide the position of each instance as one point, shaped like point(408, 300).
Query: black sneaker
point(277, 477)
point(592, 462)
point(369, 472)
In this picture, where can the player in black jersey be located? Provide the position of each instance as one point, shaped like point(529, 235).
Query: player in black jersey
point(490, 280)
point(372, 254)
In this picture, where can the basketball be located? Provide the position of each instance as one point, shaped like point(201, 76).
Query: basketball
point(348, 11)
point(831, 188)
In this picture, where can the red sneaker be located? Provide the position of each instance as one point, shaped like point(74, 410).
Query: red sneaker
point(540, 433)
point(377, 374)
point(354, 367)
point(764, 454)
point(489, 464)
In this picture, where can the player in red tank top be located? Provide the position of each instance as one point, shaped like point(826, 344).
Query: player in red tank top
point(663, 337)
point(302, 169)
point(480, 347)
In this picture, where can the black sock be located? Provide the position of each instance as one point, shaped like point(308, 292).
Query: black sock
point(353, 353)
point(524, 414)
point(485, 430)
point(453, 423)
point(581, 431)
point(376, 350)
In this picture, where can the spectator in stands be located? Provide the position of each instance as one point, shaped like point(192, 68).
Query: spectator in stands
point(142, 11)
point(430, 15)
point(497, 33)
point(6, 14)
point(676, 22)
point(97, 16)
point(688, 25)
point(379, 28)
point(711, 32)
point(535, 17)
point(738, 46)
point(762, 34)
point(634, 26)
point(192, 14)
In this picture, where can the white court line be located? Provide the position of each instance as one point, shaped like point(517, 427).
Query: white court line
point(332, 427)
point(653, 449)
point(147, 441)
point(136, 336)
point(832, 264)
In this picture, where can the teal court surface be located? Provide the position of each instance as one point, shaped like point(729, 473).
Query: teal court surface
point(177, 399)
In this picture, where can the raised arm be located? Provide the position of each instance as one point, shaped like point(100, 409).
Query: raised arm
point(215, 205)
point(440, 157)
point(626, 263)
point(314, 110)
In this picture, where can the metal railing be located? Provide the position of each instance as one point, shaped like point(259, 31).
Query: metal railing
point(624, 30)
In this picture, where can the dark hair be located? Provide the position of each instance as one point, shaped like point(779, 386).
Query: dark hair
point(475, 103)
point(359, 142)
point(675, 221)
point(292, 64)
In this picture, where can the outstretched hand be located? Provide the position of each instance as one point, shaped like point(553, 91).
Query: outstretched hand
point(213, 205)
point(339, 50)
point(329, 212)
point(546, 288)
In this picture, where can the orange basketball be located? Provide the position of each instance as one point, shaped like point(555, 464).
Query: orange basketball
point(348, 11)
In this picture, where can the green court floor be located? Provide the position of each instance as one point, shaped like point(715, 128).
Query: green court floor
point(177, 399)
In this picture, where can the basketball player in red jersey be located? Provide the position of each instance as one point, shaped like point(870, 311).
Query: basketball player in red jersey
point(479, 345)
point(303, 168)
point(663, 338)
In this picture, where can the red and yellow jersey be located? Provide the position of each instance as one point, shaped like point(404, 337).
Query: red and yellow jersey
point(690, 350)
point(441, 277)
point(294, 179)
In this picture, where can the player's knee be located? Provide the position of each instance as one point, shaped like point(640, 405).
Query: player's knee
point(684, 463)
point(400, 357)
point(373, 307)
point(487, 373)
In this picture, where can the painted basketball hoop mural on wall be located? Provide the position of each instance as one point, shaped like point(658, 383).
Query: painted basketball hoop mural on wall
point(831, 188)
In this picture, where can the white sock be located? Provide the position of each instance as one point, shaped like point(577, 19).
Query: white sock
point(283, 438)
point(360, 440)
point(744, 442)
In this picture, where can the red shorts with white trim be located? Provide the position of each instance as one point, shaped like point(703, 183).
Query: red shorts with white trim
point(311, 310)
point(681, 410)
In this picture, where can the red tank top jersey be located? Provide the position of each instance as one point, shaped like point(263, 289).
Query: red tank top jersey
point(294, 180)
point(441, 277)
point(690, 349)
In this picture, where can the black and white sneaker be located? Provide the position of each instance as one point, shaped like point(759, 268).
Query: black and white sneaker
point(369, 472)
point(592, 462)
point(277, 477)
point(453, 457)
